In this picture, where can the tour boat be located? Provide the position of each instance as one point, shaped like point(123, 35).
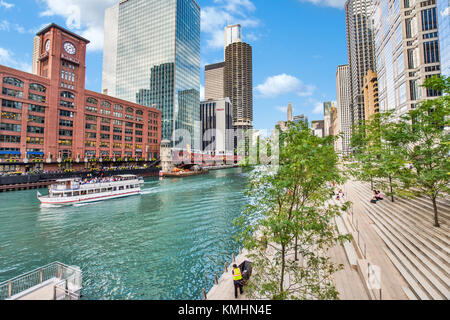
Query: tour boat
point(76, 190)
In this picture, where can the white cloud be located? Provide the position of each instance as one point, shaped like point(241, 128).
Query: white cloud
point(85, 17)
point(445, 12)
point(236, 6)
point(6, 5)
point(283, 84)
point(4, 25)
point(7, 59)
point(327, 3)
point(215, 18)
point(281, 109)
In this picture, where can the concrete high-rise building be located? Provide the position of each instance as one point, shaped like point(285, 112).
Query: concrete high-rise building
point(217, 127)
point(36, 50)
point(301, 118)
point(157, 59)
point(289, 112)
point(443, 7)
point(326, 118)
point(317, 127)
point(110, 50)
point(361, 50)
point(239, 83)
point(343, 94)
point(407, 49)
point(214, 81)
point(232, 34)
point(370, 92)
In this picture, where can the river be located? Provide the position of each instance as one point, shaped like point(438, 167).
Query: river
point(164, 244)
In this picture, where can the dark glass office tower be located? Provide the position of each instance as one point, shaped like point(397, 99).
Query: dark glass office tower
point(158, 59)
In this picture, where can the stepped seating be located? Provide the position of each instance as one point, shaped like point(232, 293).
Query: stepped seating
point(420, 252)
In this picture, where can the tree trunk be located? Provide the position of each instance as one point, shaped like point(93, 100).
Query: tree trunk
point(371, 183)
point(296, 248)
point(392, 190)
point(436, 218)
point(283, 266)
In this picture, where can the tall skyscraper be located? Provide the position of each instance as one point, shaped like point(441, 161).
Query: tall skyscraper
point(239, 83)
point(361, 52)
point(214, 81)
point(370, 92)
point(110, 50)
point(326, 118)
point(36, 50)
point(443, 7)
point(407, 48)
point(289, 112)
point(157, 59)
point(232, 34)
point(343, 94)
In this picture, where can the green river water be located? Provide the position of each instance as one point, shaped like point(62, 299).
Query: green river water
point(164, 244)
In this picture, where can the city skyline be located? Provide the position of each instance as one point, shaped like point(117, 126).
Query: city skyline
point(275, 83)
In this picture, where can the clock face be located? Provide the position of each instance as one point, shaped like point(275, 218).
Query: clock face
point(69, 48)
point(47, 45)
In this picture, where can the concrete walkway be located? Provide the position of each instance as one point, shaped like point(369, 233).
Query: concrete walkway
point(350, 282)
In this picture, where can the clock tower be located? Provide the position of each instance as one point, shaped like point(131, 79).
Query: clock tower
point(62, 59)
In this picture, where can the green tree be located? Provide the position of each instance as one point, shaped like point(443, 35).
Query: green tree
point(423, 133)
point(290, 213)
point(363, 163)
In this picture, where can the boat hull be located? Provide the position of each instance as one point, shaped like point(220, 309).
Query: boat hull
point(88, 198)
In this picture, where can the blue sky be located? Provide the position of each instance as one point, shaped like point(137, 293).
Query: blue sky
point(297, 45)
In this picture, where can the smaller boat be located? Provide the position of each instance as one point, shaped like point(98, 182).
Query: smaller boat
point(76, 190)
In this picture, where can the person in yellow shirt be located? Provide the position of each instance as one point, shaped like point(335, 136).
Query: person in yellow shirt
point(237, 277)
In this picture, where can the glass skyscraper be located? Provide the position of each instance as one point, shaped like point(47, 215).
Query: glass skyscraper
point(158, 59)
point(443, 7)
point(407, 51)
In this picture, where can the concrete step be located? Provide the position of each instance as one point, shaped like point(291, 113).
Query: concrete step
point(420, 217)
point(413, 284)
point(437, 235)
point(432, 268)
point(428, 281)
point(423, 206)
point(426, 204)
point(440, 257)
point(436, 250)
point(408, 292)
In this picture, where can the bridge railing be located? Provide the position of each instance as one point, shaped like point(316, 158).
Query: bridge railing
point(55, 270)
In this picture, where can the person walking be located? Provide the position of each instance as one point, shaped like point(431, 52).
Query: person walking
point(237, 277)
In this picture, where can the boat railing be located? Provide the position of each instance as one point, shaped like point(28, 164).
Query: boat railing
point(88, 185)
point(55, 270)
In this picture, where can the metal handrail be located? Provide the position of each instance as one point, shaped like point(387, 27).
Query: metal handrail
point(36, 277)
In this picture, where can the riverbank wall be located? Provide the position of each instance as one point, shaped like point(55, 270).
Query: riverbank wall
point(35, 181)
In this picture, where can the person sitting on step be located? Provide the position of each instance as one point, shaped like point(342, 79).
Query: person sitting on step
point(379, 195)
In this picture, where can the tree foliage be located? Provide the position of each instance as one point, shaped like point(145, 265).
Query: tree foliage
point(408, 153)
point(290, 213)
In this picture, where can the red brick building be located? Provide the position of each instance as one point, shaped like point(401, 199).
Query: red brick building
point(50, 119)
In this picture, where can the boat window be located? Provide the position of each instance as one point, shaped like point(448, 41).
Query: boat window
point(121, 188)
point(57, 195)
point(97, 190)
point(67, 194)
point(91, 191)
point(76, 193)
point(115, 188)
point(104, 189)
point(83, 192)
point(110, 189)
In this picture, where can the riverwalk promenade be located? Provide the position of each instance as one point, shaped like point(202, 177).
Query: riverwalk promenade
point(396, 252)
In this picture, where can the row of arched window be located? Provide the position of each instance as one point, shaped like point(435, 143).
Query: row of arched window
point(106, 104)
point(19, 83)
